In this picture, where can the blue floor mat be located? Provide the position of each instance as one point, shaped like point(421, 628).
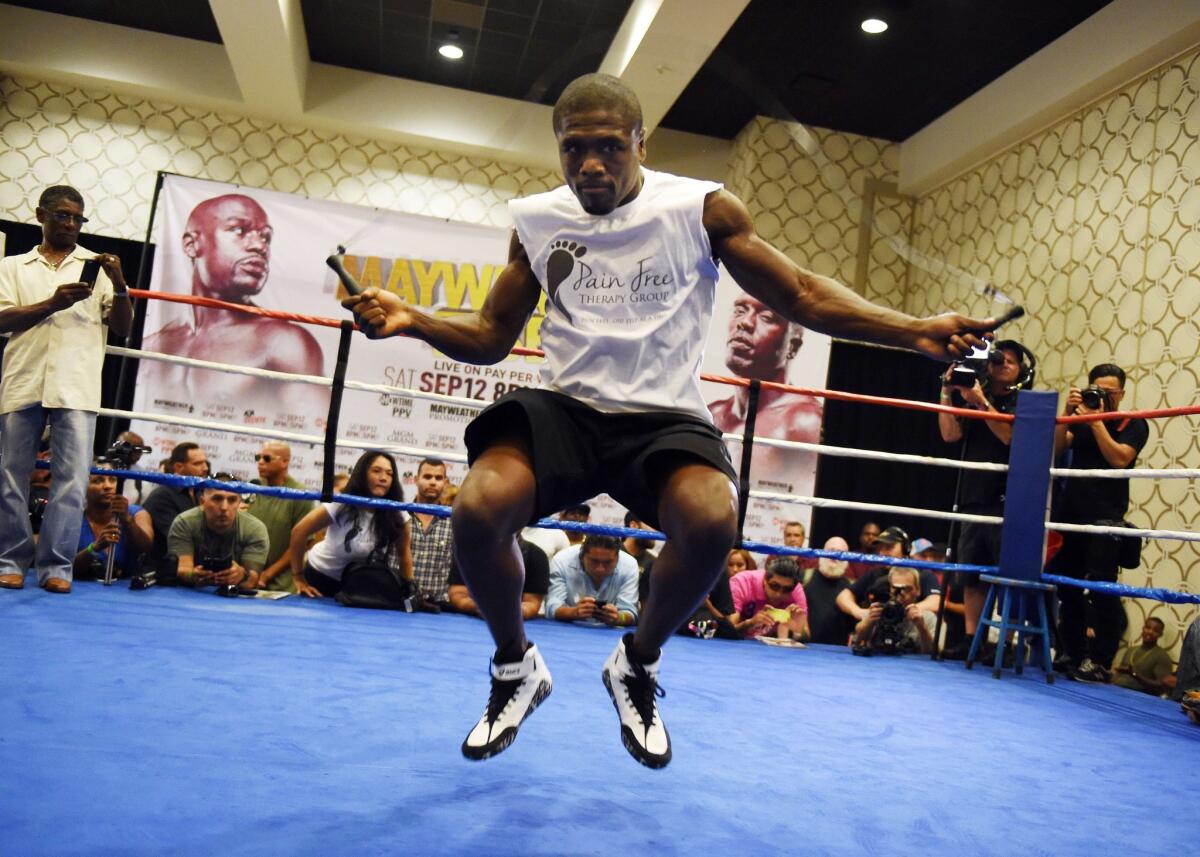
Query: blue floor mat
point(172, 721)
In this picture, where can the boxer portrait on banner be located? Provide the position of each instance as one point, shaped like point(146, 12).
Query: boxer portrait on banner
point(227, 240)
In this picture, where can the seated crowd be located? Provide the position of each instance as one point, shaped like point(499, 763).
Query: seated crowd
point(217, 537)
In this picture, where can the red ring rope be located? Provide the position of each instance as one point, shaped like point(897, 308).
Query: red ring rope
point(718, 379)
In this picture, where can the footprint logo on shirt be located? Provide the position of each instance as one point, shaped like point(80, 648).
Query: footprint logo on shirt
point(559, 266)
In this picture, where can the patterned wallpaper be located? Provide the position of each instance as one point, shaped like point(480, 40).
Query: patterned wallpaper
point(111, 148)
point(1094, 226)
point(805, 189)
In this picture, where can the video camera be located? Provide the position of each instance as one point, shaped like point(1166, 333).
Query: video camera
point(122, 454)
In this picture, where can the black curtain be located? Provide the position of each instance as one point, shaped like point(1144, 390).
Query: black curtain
point(23, 237)
point(895, 374)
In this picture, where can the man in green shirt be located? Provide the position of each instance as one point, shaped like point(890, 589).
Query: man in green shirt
point(218, 544)
point(1145, 667)
point(279, 515)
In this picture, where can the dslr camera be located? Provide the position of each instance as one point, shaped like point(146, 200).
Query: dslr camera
point(1094, 397)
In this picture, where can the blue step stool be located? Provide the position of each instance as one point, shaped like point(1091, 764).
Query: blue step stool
point(1016, 594)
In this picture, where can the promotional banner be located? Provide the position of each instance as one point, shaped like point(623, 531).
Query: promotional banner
point(268, 249)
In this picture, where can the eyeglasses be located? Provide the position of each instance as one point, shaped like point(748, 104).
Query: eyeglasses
point(267, 459)
point(900, 590)
point(778, 587)
point(67, 217)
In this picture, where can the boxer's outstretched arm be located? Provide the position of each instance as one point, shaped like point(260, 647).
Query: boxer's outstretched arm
point(485, 336)
point(821, 303)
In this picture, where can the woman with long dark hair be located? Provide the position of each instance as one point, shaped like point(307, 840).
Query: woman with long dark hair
point(355, 533)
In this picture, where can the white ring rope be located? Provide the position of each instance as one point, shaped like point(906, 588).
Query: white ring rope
point(1172, 535)
point(316, 380)
point(825, 503)
point(232, 369)
point(802, 446)
point(277, 434)
point(1131, 473)
point(874, 454)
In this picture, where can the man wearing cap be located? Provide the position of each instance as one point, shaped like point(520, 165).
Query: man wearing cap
point(982, 492)
point(893, 542)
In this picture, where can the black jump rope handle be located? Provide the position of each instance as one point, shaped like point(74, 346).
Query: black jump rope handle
point(335, 263)
point(1014, 313)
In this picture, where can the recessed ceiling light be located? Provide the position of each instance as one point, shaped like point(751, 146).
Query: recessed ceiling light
point(873, 26)
point(451, 52)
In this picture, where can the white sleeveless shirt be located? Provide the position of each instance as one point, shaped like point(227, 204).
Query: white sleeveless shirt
point(629, 294)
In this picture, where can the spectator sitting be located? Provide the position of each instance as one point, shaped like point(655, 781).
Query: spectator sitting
point(580, 514)
point(449, 492)
point(866, 544)
point(109, 518)
point(1145, 667)
point(339, 482)
point(913, 633)
point(794, 535)
point(770, 601)
point(217, 544)
point(354, 534)
point(827, 623)
point(533, 593)
point(166, 502)
point(278, 514)
point(594, 582)
point(431, 541)
point(739, 560)
point(893, 542)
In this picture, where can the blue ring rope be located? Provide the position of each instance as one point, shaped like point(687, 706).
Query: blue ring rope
point(1169, 596)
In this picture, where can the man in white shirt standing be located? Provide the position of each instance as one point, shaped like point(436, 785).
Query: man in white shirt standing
point(57, 328)
point(628, 261)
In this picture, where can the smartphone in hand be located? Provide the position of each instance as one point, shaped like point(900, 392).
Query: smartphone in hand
point(91, 269)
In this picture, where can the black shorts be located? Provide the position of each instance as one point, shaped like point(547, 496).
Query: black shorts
point(579, 452)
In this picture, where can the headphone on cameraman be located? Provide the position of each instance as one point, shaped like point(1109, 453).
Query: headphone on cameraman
point(1028, 363)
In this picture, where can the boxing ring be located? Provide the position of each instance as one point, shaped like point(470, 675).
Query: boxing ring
point(168, 721)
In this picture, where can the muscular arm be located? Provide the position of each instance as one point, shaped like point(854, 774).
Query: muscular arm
point(485, 336)
point(819, 302)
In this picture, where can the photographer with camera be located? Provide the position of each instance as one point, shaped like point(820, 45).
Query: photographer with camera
point(986, 384)
point(218, 544)
point(110, 522)
point(855, 601)
point(1099, 445)
point(894, 623)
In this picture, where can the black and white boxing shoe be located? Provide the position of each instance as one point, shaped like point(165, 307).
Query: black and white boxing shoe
point(633, 689)
point(517, 689)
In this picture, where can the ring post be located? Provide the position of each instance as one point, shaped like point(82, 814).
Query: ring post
point(335, 408)
point(747, 454)
point(1027, 492)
